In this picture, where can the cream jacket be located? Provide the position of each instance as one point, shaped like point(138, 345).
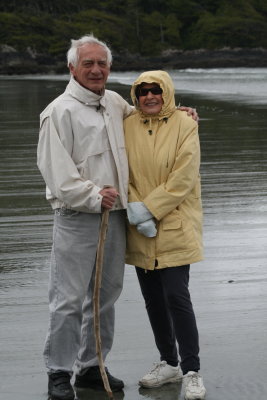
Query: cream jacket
point(81, 148)
point(164, 160)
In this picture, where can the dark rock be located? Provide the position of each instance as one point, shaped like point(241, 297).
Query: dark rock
point(201, 58)
point(30, 62)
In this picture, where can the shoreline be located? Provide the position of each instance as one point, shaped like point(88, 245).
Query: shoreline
point(14, 63)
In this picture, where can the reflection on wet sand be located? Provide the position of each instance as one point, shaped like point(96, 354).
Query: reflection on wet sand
point(166, 392)
point(86, 394)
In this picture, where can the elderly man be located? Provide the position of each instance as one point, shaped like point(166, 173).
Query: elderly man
point(82, 158)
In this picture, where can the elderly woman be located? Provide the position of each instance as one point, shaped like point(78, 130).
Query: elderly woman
point(165, 225)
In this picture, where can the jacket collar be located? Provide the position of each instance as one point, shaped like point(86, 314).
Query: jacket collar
point(84, 95)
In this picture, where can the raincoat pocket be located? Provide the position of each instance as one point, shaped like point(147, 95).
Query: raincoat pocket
point(171, 221)
point(171, 238)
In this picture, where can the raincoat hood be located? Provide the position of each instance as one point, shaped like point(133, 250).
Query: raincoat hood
point(163, 79)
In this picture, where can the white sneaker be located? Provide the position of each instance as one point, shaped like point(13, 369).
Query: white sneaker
point(160, 374)
point(194, 387)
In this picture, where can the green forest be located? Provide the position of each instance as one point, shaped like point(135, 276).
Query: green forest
point(145, 27)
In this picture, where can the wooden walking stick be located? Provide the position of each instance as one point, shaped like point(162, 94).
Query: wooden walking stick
point(96, 297)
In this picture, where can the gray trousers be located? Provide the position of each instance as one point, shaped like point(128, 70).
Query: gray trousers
point(70, 341)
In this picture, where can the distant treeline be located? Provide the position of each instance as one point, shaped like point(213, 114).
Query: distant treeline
point(145, 27)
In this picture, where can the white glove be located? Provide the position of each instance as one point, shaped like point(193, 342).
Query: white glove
point(147, 228)
point(137, 213)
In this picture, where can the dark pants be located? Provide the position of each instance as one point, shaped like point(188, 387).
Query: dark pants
point(171, 314)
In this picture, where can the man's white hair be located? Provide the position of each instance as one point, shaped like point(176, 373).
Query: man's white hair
point(72, 54)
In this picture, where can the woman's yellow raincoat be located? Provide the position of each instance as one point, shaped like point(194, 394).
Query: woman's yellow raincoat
point(164, 160)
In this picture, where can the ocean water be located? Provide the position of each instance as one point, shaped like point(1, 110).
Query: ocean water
point(244, 85)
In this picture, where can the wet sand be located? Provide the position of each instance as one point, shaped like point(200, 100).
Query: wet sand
point(228, 288)
point(231, 313)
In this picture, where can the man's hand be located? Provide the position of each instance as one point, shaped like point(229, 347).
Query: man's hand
point(109, 196)
point(190, 112)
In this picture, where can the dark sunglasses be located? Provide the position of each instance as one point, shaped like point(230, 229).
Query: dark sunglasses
point(145, 91)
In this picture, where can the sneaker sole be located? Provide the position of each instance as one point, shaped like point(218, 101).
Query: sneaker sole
point(158, 384)
point(201, 397)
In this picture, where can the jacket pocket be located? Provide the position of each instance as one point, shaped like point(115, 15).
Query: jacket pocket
point(171, 237)
point(177, 234)
point(96, 166)
point(171, 221)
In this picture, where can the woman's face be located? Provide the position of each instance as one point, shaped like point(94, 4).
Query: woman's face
point(149, 102)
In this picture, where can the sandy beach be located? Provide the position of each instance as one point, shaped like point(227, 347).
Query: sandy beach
point(228, 288)
point(231, 313)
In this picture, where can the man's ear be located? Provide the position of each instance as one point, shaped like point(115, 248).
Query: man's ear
point(71, 68)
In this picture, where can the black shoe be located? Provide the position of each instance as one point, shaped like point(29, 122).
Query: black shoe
point(59, 387)
point(93, 379)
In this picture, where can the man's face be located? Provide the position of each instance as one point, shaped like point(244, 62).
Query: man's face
point(92, 69)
